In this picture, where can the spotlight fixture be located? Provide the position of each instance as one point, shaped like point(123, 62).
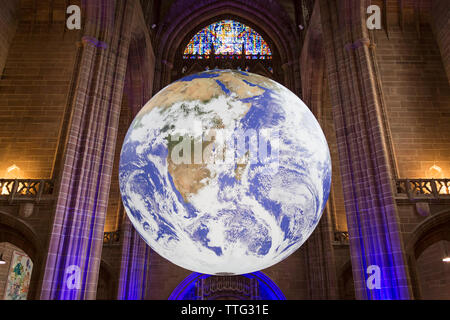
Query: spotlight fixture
point(1, 259)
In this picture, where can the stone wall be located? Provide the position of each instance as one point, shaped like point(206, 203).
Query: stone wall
point(417, 97)
point(409, 219)
point(33, 96)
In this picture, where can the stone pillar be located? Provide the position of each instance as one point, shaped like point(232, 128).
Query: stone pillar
point(366, 174)
point(8, 26)
point(320, 262)
point(318, 252)
point(441, 28)
point(134, 266)
point(75, 244)
point(288, 75)
point(318, 249)
point(135, 262)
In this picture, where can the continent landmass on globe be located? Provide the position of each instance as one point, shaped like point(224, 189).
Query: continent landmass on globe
point(188, 178)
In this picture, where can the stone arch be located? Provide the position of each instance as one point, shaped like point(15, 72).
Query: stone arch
point(186, 290)
point(189, 35)
point(187, 17)
point(312, 64)
point(258, 68)
point(23, 236)
point(433, 229)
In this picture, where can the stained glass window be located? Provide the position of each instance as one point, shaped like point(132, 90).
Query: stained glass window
point(228, 37)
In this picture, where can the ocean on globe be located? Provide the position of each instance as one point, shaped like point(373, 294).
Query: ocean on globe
point(225, 172)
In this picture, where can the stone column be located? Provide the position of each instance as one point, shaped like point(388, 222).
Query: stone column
point(8, 26)
point(320, 262)
point(318, 250)
point(135, 262)
point(75, 244)
point(134, 266)
point(288, 75)
point(441, 28)
point(375, 240)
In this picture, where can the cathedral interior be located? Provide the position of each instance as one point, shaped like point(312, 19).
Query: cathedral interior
point(69, 94)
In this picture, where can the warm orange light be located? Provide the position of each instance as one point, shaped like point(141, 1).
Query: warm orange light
point(443, 186)
point(434, 172)
point(427, 188)
point(12, 172)
point(444, 190)
point(13, 167)
point(4, 191)
point(446, 259)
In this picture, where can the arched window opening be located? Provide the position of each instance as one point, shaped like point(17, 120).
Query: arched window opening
point(433, 272)
point(16, 268)
point(227, 38)
point(252, 286)
point(227, 44)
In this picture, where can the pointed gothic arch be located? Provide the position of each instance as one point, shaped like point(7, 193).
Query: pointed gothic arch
point(23, 236)
point(227, 43)
point(252, 286)
point(269, 19)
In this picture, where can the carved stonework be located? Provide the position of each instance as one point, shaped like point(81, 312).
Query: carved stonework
point(419, 189)
point(28, 190)
point(227, 288)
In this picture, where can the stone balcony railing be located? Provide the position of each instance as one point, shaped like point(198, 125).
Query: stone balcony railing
point(341, 238)
point(423, 189)
point(111, 238)
point(34, 190)
point(27, 190)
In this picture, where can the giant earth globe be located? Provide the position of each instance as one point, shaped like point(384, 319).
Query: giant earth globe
point(225, 172)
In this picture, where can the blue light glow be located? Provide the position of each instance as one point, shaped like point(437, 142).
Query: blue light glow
point(268, 290)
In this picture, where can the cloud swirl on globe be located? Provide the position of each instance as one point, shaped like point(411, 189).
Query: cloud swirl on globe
point(225, 172)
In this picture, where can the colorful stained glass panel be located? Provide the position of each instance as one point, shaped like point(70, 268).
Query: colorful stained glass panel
point(19, 277)
point(228, 37)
